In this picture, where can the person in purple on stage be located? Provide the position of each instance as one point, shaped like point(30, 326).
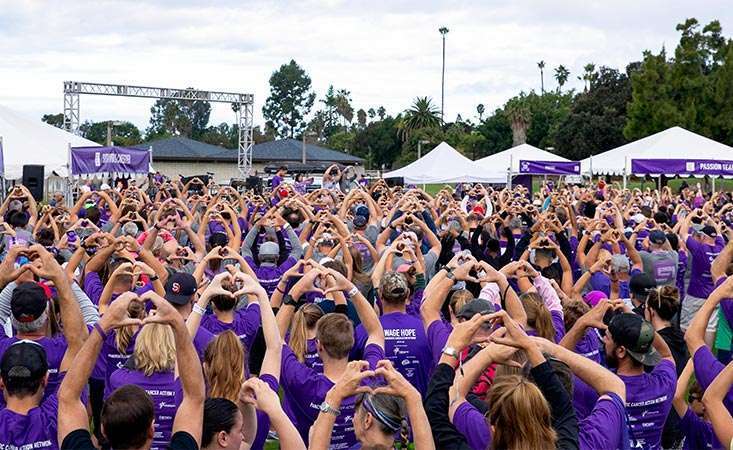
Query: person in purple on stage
point(279, 177)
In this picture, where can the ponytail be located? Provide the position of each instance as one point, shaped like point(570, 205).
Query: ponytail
point(224, 366)
point(304, 319)
point(538, 316)
point(123, 336)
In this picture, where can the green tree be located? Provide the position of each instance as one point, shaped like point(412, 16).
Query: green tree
point(422, 114)
point(520, 117)
point(379, 142)
point(480, 109)
point(342, 140)
point(290, 100)
point(589, 75)
point(541, 66)
point(371, 113)
point(178, 117)
point(125, 134)
point(381, 112)
point(547, 111)
point(343, 106)
point(497, 133)
point(56, 120)
point(561, 76)
point(597, 117)
point(361, 118)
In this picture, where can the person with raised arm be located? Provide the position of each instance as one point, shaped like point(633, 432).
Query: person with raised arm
point(127, 415)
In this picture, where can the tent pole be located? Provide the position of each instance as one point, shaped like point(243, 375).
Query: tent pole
point(509, 173)
point(625, 164)
point(2, 175)
point(712, 181)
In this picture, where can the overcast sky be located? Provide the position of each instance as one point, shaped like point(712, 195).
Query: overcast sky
point(384, 52)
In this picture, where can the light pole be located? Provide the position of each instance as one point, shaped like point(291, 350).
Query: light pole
point(443, 31)
point(110, 124)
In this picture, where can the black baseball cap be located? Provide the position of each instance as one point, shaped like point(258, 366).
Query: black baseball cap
point(28, 302)
point(179, 288)
point(709, 231)
point(641, 283)
point(657, 237)
point(476, 306)
point(24, 359)
point(637, 335)
point(360, 222)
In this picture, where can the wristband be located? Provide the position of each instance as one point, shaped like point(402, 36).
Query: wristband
point(353, 292)
point(154, 278)
point(198, 309)
point(289, 300)
point(100, 330)
point(277, 288)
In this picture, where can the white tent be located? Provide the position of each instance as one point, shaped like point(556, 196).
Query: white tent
point(498, 163)
point(443, 164)
point(29, 141)
point(672, 143)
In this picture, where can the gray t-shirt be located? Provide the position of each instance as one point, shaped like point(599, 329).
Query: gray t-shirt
point(661, 265)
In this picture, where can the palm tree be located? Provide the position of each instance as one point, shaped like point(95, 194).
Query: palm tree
point(541, 65)
point(519, 117)
point(480, 110)
point(422, 114)
point(561, 75)
point(589, 75)
point(381, 112)
point(343, 105)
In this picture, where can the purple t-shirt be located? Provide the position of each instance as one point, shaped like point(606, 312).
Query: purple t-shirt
point(270, 276)
point(263, 421)
point(245, 324)
point(698, 433)
point(36, 430)
point(472, 425)
point(707, 367)
point(681, 272)
point(112, 358)
point(437, 335)
point(406, 345)
point(701, 281)
point(605, 427)
point(648, 400)
point(306, 389)
point(165, 391)
point(590, 345)
point(201, 341)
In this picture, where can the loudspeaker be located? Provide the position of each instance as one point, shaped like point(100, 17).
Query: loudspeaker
point(33, 180)
point(254, 183)
point(397, 181)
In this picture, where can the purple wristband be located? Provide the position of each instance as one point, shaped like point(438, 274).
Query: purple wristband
point(101, 332)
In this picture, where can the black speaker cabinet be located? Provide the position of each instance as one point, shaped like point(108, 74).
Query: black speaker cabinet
point(33, 180)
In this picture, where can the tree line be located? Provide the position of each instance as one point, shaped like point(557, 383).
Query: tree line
point(692, 88)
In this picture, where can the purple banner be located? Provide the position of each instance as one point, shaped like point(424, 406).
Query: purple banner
point(549, 167)
point(683, 167)
point(89, 160)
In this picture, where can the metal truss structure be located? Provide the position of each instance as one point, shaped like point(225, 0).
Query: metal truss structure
point(242, 104)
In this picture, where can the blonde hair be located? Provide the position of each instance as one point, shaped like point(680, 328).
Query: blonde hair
point(155, 349)
point(459, 299)
point(304, 319)
point(135, 310)
point(538, 316)
point(224, 366)
point(520, 415)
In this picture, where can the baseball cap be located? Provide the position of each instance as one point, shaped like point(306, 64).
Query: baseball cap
point(592, 298)
point(28, 302)
point(637, 335)
point(641, 283)
point(361, 210)
point(269, 248)
point(104, 187)
point(218, 239)
point(657, 237)
point(179, 288)
point(709, 231)
point(393, 285)
point(478, 210)
point(15, 205)
point(404, 268)
point(638, 218)
point(475, 306)
point(24, 359)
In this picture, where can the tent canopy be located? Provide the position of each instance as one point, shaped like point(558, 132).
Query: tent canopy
point(498, 163)
point(444, 164)
point(674, 143)
point(28, 141)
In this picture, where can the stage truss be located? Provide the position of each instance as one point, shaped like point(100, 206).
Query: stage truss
point(242, 104)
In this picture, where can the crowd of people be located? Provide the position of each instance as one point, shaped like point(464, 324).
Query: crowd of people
point(362, 315)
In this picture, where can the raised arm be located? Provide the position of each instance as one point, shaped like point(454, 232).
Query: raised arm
point(719, 415)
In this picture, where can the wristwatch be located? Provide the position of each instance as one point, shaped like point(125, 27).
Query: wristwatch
point(449, 274)
point(450, 351)
point(326, 408)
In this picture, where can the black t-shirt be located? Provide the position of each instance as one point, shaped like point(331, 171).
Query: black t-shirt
point(82, 440)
